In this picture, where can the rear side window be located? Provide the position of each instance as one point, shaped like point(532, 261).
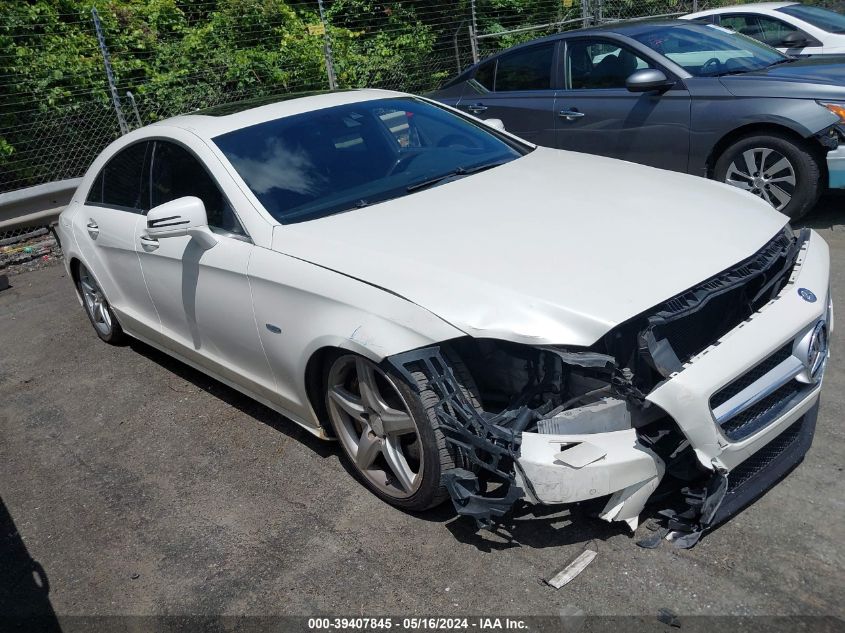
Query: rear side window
point(525, 69)
point(123, 182)
point(177, 173)
point(486, 74)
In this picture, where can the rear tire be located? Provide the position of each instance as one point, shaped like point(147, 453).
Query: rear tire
point(778, 169)
point(98, 308)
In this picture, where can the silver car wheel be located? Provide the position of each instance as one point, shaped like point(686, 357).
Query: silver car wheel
point(764, 172)
point(375, 426)
point(95, 302)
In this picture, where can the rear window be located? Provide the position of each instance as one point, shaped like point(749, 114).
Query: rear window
point(823, 19)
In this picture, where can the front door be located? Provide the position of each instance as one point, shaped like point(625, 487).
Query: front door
point(202, 295)
point(597, 114)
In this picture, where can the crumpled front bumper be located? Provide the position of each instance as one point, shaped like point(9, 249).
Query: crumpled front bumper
point(617, 463)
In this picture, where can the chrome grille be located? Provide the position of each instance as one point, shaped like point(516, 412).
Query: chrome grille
point(759, 396)
point(759, 415)
point(758, 371)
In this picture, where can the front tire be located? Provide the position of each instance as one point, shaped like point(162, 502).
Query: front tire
point(389, 433)
point(773, 167)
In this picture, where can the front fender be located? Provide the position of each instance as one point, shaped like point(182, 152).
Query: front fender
point(301, 308)
point(715, 119)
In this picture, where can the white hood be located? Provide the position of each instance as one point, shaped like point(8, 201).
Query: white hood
point(553, 248)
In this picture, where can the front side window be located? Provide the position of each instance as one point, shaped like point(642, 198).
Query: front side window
point(122, 183)
point(774, 31)
point(327, 161)
point(177, 173)
point(706, 50)
point(525, 69)
point(744, 23)
point(824, 19)
point(600, 64)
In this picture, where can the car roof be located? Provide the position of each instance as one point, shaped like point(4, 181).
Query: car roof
point(216, 120)
point(621, 27)
point(769, 6)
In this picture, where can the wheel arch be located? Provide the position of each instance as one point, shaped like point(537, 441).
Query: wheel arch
point(759, 128)
point(315, 372)
point(73, 266)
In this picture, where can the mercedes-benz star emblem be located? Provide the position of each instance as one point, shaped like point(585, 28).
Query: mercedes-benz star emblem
point(807, 295)
point(817, 351)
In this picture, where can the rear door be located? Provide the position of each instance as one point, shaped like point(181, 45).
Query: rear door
point(595, 113)
point(518, 88)
point(105, 229)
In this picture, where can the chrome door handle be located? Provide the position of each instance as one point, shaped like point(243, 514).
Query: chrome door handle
point(149, 243)
point(93, 229)
point(478, 108)
point(570, 115)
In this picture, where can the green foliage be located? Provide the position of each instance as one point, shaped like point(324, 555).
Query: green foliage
point(180, 55)
point(378, 44)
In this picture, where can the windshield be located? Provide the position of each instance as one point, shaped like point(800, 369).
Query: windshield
point(706, 50)
point(311, 165)
point(825, 19)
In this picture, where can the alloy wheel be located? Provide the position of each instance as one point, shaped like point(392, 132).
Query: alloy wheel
point(95, 302)
point(375, 426)
point(764, 172)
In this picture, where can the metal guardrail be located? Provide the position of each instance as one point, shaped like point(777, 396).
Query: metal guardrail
point(35, 206)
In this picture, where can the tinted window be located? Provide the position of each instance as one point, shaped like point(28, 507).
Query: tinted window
point(706, 50)
point(742, 23)
point(314, 164)
point(773, 31)
point(595, 64)
point(177, 173)
point(122, 182)
point(486, 73)
point(821, 18)
point(525, 69)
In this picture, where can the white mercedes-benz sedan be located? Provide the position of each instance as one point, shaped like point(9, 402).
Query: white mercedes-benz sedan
point(469, 315)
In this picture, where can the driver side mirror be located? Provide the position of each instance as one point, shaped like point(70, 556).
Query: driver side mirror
point(183, 216)
point(496, 124)
point(647, 80)
point(794, 40)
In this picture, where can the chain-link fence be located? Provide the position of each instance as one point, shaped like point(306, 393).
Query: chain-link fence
point(167, 57)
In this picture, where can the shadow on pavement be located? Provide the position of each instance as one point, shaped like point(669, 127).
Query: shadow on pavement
point(236, 399)
point(537, 527)
point(828, 213)
point(24, 588)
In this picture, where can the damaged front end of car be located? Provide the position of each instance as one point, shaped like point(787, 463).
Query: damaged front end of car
point(559, 425)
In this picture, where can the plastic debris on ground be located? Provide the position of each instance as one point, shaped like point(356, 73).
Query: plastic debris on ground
point(571, 571)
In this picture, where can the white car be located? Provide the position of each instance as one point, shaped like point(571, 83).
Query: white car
point(468, 314)
point(791, 27)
